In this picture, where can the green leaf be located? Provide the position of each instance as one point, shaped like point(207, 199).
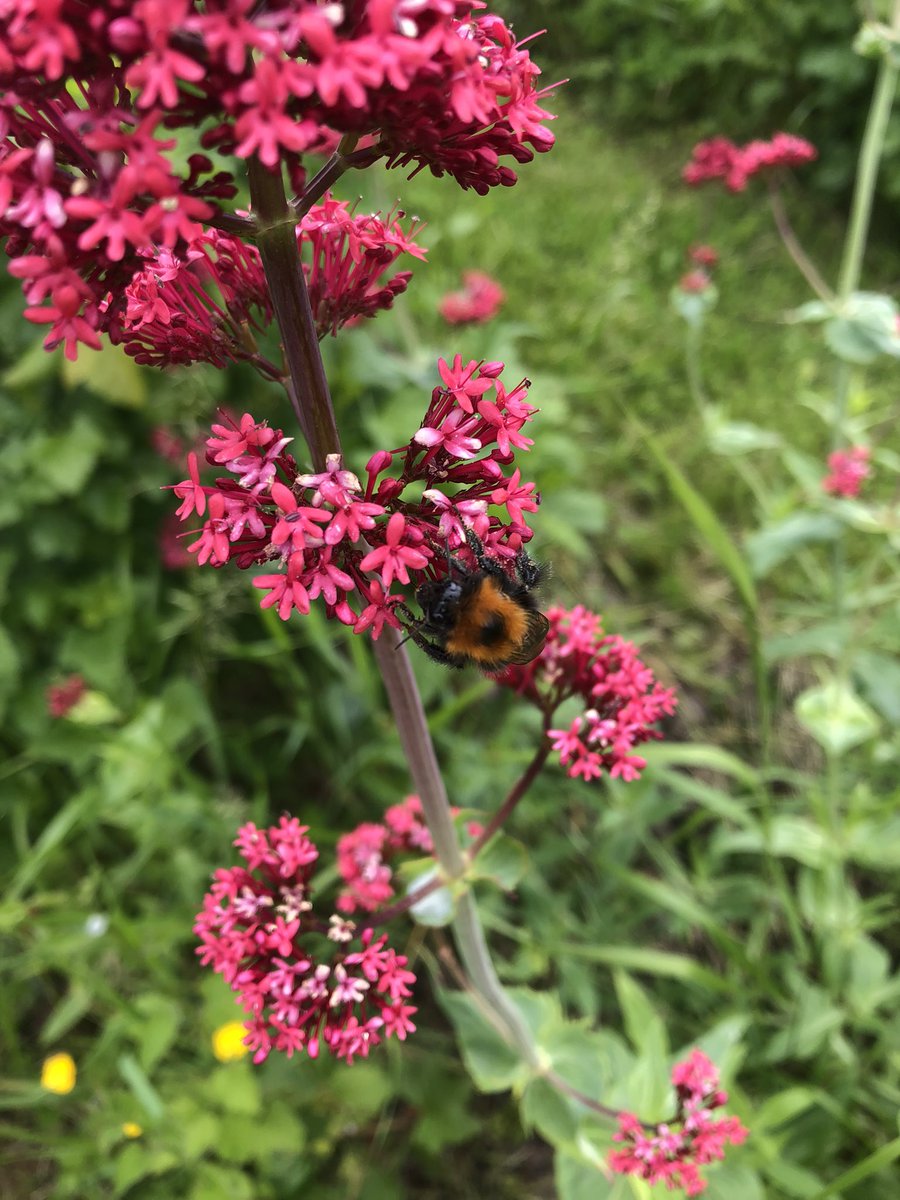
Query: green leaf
point(544, 1108)
point(435, 910)
point(156, 1027)
point(31, 367)
point(503, 860)
point(879, 679)
point(493, 1064)
point(577, 1180)
point(214, 1182)
point(9, 669)
point(141, 1087)
point(702, 756)
point(653, 962)
point(708, 525)
point(784, 1107)
point(739, 437)
point(234, 1089)
point(835, 716)
point(732, 1181)
point(881, 1158)
point(644, 1027)
point(772, 545)
point(109, 373)
point(865, 328)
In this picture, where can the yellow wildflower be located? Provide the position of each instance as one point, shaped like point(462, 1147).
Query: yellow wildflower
point(228, 1041)
point(58, 1074)
point(131, 1129)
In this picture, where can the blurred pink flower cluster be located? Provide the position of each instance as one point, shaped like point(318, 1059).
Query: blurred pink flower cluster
point(62, 697)
point(846, 471)
point(323, 535)
point(257, 929)
point(364, 855)
point(673, 1152)
point(720, 158)
point(478, 302)
point(621, 697)
point(109, 112)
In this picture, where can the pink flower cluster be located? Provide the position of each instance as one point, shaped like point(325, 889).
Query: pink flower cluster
point(322, 535)
point(699, 277)
point(478, 302)
point(720, 158)
point(674, 1152)
point(846, 471)
point(107, 112)
point(258, 931)
point(202, 305)
point(63, 696)
point(364, 855)
point(621, 697)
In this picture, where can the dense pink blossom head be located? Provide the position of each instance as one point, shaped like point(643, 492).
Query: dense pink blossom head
point(365, 855)
point(721, 159)
point(622, 699)
point(846, 471)
point(108, 112)
point(478, 302)
point(673, 1153)
point(305, 984)
point(64, 695)
point(360, 550)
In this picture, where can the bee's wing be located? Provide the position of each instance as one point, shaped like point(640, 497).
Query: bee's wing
point(533, 641)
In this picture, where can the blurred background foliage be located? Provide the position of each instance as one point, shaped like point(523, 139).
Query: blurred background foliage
point(729, 898)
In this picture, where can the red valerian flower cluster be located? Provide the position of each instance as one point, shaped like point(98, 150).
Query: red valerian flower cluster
point(258, 931)
point(674, 1152)
point(621, 697)
point(478, 302)
point(720, 158)
point(102, 104)
point(322, 535)
point(364, 855)
point(846, 471)
point(63, 696)
point(699, 278)
point(201, 305)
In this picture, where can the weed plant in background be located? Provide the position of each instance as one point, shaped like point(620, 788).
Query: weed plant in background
point(747, 884)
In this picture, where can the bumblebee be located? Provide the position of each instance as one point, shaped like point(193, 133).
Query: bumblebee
point(484, 617)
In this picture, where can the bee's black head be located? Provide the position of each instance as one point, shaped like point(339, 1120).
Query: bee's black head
point(438, 601)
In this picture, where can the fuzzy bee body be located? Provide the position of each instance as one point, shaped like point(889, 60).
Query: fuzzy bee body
point(483, 617)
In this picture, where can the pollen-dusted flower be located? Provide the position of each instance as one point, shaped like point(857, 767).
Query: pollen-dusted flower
point(59, 1073)
point(304, 983)
point(63, 696)
point(846, 471)
point(478, 302)
point(325, 538)
point(672, 1153)
point(228, 1041)
point(622, 699)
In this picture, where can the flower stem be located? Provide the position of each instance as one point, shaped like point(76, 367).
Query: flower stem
point(802, 261)
point(521, 786)
point(867, 171)
point(280, 253)
point(399, 681)
point(308, 388)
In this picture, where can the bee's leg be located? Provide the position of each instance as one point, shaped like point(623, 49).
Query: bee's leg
point(435, 652)
point(490, 566)
point(528, 572)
